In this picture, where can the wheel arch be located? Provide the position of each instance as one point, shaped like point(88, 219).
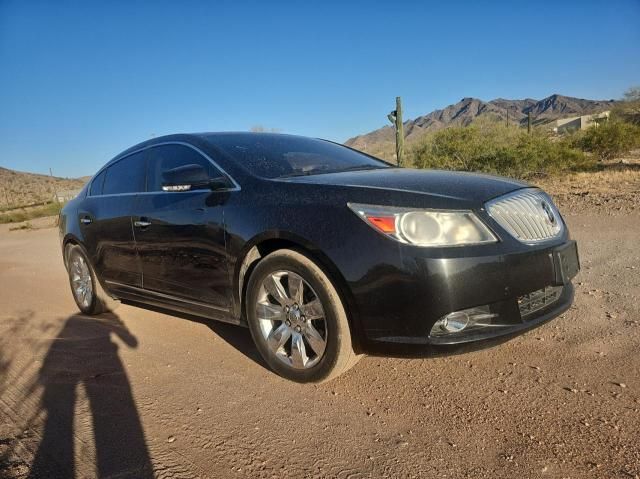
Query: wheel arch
point(69, 240)
point(267, 243)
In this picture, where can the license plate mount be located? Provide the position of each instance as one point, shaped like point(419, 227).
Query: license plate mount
point(567, 262)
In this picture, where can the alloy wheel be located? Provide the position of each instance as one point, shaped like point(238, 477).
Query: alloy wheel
point(292, 319)
point(81, 281)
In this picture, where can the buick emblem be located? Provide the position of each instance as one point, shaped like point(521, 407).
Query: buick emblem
point(547, 209)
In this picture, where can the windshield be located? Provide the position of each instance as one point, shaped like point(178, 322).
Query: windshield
point(281, 156)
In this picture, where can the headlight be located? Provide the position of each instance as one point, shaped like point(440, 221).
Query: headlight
point(426, 227)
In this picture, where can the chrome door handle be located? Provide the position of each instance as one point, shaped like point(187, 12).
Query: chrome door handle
point(141, 224)
point(85, 220)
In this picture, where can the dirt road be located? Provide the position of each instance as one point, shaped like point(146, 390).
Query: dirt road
point(144, 393)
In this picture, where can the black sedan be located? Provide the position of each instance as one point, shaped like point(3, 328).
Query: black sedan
point(324, 252)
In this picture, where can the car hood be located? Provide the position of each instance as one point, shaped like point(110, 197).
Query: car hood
point(470, 187)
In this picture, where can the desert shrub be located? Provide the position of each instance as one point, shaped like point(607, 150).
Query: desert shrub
point(499, 149)
point(610, 139)
point(23, 226)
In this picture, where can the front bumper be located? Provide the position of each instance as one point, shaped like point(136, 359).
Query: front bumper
point(431, 288)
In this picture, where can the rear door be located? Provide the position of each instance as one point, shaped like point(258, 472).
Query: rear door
point(180, 235)
point(105, 220)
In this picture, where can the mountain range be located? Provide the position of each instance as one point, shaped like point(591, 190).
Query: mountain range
point(381, 142)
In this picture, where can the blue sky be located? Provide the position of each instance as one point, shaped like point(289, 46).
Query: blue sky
point(81, 81)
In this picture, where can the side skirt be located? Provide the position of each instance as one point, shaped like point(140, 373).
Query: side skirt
point(142, 297)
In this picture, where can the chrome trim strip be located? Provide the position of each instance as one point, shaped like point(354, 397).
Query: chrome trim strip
point(167, 296)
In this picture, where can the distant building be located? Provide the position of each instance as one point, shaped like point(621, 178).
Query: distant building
point(575, 123)
point(66, 195)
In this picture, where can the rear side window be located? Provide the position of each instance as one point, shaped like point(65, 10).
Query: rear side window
point(125, 176)
point(96, 184)
point(167, 157)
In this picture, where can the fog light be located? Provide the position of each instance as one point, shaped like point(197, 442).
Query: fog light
point(454, 322)
point(463, 320)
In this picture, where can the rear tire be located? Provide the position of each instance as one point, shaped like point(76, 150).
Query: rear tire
point(297, 319)
point(87, 291)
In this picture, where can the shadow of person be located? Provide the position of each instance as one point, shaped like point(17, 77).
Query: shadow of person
point(236, 336)
point(83, 354)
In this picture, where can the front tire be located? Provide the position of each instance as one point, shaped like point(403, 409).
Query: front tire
point(297, 319)
point(87, 292)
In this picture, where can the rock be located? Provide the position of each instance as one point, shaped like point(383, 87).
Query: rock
point(171, 439)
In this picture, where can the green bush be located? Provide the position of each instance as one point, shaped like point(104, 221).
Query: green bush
point(499, 149)
point(611, 139)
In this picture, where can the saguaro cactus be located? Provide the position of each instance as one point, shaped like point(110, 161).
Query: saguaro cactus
point(395, 117)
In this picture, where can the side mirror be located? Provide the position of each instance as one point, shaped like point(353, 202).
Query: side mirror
point(191, 177)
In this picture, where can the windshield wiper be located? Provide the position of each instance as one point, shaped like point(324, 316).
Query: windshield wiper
point(315, 171)
point(322, 171)
point(361, 167)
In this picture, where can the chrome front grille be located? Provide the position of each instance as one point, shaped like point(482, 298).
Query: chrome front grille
point(529, 215)
point(537, 300)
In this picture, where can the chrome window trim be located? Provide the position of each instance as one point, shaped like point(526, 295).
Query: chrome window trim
point(236, 186)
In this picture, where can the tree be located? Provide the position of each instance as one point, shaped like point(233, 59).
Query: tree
point(632, 94)
point(629, 108)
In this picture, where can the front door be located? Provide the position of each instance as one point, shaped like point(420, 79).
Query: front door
point(180, 235)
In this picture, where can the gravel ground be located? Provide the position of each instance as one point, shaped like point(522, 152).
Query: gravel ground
point(145, 394)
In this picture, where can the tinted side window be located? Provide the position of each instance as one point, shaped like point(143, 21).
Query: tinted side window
point(167, 157)
point(125, 176)
point(96, 184)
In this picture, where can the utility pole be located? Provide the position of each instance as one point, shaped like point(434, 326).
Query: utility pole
point(529, 122)
point(395, 117)
point(55, 193)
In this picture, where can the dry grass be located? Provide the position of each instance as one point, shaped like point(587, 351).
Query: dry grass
point(19, 215)
point(18, 189)
point(607, 181)
point(615, 189)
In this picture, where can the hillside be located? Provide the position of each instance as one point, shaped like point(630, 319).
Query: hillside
point(21, 189)
point(381, 141)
